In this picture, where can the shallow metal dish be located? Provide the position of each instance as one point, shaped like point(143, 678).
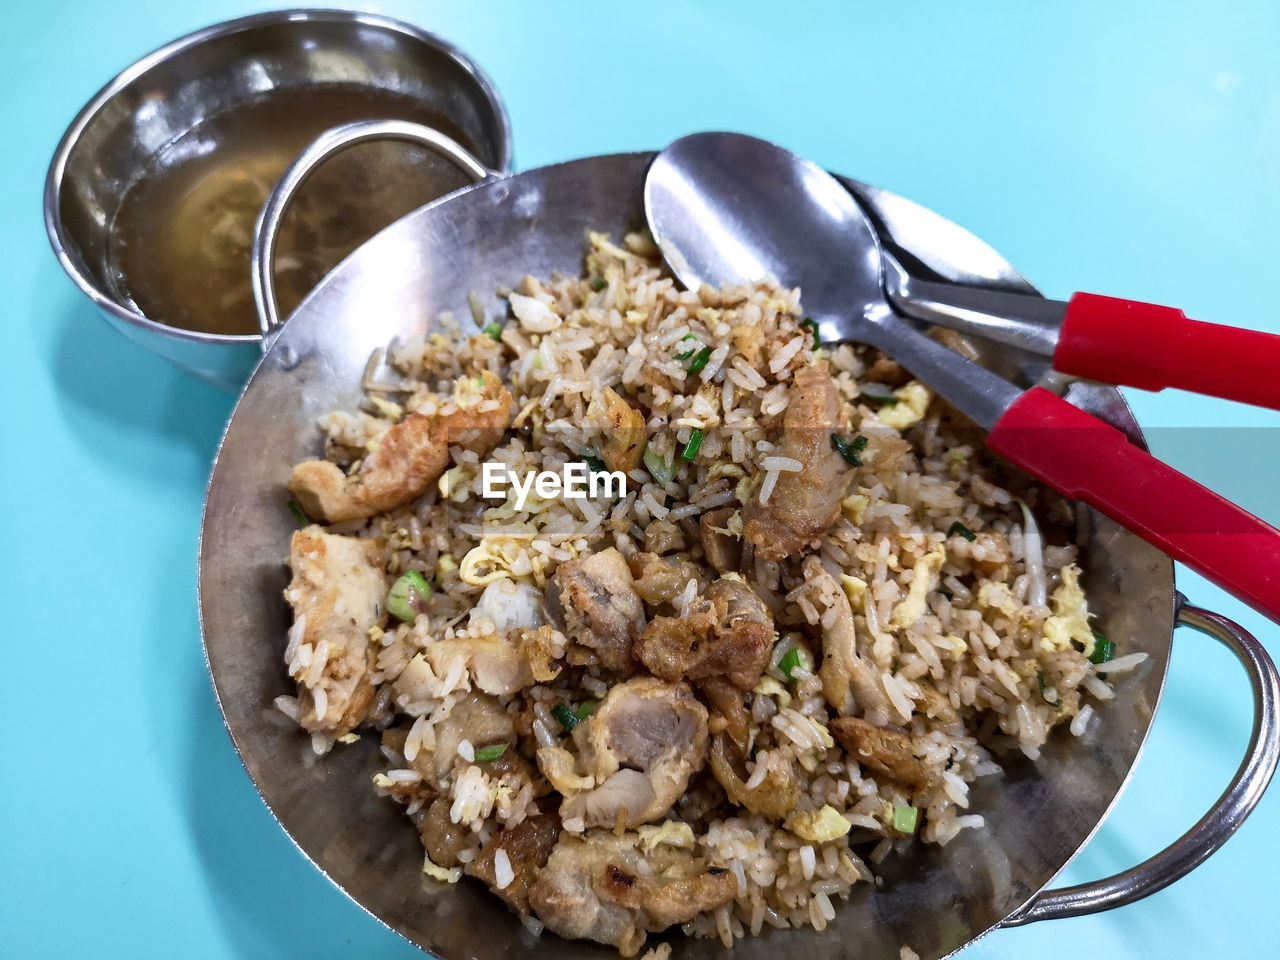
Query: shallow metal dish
point(1038, 814)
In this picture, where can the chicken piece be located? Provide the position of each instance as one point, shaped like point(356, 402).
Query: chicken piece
point(723, 550)
point(441, 837)
point(625, 429)
point(725, 633)
point(528, 845)
point(884, 752)
point(726, 700)
point(603, 888)
point(641, 746)
point(775, 796)
point(663, 536)
point(850, 683)
point(601, 610)
point(480, 719)
point(886, 371)
point(660, 581)
point(337, 592)
point(409, 456)
point(804, 504)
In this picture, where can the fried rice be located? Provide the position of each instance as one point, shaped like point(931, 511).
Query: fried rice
point(817, 613)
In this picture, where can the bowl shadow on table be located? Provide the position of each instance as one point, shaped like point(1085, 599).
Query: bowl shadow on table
point(269, 900)
point(104, 379)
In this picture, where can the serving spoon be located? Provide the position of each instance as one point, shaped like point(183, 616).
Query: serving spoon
point(726, 208)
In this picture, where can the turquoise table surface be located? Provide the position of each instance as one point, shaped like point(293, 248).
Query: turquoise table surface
point(1128, 148)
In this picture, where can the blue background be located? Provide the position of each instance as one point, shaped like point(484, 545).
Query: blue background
point(1127, 148)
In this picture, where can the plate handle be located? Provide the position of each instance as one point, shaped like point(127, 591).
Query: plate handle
point(321, 149)
point(1224, 817)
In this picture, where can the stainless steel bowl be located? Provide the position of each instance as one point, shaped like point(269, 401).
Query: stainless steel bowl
point(1038, 814)
point(168, 92)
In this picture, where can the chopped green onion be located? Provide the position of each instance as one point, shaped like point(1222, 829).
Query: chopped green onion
point(296, 509)
point(659, 467)
point(594, 463)
point(490, 754)
point(409, 596)
point(845, 448)
point(812, 324)
point(1103, 648)
point(688, 353)
point(878, 393)
point(1056, 702)
point(700, 360)
point(585, 709)
point(691, 448)
point(669, 501)
point(598, 284)
point(858, 443)
point(790, 660)
point(959, 529)
point(635, 533)
point(905, 819)
point(494, 330)
point(566, 717)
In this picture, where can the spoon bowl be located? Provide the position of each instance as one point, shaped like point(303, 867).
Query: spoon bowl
point(726, 208)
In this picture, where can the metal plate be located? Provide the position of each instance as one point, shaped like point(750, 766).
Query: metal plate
point(1038, 814)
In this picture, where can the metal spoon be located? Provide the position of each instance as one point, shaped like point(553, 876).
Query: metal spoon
point(727, 208)
point(730, 209)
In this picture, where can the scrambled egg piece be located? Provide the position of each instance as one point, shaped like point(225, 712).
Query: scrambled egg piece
point(997, 597)
point(912, 608)
point(671, 832)
point(854, 589)
point(769, 687)
point(1070, 620)
point(437, 872)
point(854, 506)
point(913, 402)
point(818, 826)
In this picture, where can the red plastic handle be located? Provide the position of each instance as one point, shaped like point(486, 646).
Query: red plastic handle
point(1151, 347)
point(1089, 460)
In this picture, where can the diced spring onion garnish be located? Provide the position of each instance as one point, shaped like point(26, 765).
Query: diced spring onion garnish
point(296, 509)
point(958, 529)
point(691, 448)
point(585, 709)
point(659, 467)
point(797, 658)
point(789, 661)
point(1103, 648)
point(409, 596)
point(635, 533)
point(878, 393)
point(669, 501)
point(594, 463)
point(566, 717)
point(700, 360)
point(598, 284)
point(848, 449)
point(490, 754)
point(812, 324)
point(493, 330)
point(905, 819)
point(687, 353)
point(1056, 701)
